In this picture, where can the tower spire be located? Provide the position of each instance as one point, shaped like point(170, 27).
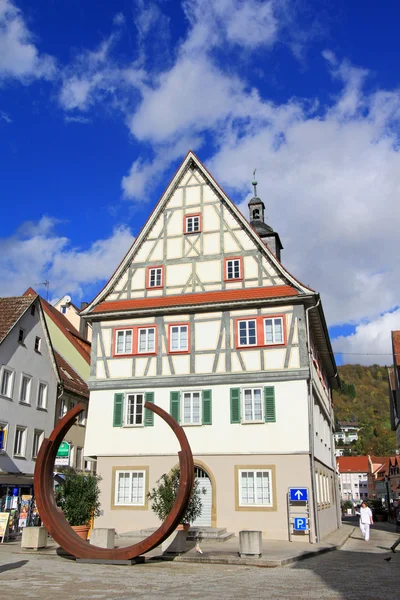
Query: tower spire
point(254, 183)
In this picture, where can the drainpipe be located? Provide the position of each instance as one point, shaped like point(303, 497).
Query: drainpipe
point(311, 428)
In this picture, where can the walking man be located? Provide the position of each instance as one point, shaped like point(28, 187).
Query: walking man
point(365, 520)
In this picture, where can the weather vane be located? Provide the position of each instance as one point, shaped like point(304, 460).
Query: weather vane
point(254, 182)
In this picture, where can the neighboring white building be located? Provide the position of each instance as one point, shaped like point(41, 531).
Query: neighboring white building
point(28, 391)
point(71, 312)
point(202, 319)
point(353, 477)
point(346, 433)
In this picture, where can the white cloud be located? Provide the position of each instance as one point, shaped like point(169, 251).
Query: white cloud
point(371, 343)
point(19, 56)
point(5, 117)
point(36, 252)
point(77, 119)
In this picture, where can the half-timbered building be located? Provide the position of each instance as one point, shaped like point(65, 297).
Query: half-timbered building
point(201, 318)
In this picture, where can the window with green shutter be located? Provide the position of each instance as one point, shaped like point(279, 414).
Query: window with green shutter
point(118, 410)
point(269, 397)
point(174, 409)
point(235, 405)
point(207, 407)
point(148, 414)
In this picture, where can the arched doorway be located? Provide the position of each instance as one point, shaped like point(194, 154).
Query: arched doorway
point(205, 520)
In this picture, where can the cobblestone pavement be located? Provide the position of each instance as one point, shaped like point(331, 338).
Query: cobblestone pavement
point(357, 572)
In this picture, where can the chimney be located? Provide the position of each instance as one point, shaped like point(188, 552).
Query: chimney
point(83, 326)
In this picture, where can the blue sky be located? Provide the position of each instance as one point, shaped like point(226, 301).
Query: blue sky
point(100, 101)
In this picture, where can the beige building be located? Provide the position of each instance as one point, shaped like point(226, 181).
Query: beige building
point(202, 318)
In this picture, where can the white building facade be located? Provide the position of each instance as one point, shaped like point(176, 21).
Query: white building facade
point(202, 319)
point(28, 391)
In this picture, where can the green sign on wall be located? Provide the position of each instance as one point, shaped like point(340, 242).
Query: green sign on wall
point(62, 457)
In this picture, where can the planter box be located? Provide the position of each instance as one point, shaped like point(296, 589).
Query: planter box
point(176, 542)
point(103, 538)
point(34, 537)
point(250, 543)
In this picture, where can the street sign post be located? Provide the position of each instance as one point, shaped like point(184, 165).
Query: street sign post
point(298, 494)
point(299, 521)
point(300, 524)
point(62, 457)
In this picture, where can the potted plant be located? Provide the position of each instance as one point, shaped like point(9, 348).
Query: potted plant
point(162, 498)
point(347, 507)
point(78, 497)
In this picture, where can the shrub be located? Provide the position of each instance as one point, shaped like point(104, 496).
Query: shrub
point(164, 493)
point(78, 497)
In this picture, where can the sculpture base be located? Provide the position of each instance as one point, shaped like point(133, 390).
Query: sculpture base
point(104, 561)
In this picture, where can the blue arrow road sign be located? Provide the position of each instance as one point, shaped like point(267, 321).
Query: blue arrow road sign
point(300, 524)
point(298, 494)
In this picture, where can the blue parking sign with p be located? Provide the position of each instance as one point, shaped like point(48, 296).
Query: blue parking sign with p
point(300, 524)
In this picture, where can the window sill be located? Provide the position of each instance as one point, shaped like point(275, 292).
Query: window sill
point(42, 408)
point(178, 352)
point(192, 232)
point(38, 351)
point(233, 279)
point(6, 397)
point(130, 426)
point(19, 456)
point(260, 422)
point(192, 424)
point(24, 403)
point(155, 287)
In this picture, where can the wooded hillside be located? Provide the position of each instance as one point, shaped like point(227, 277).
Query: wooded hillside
point(364, 398)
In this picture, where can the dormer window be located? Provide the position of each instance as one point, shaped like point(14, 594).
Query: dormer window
point(192, 223)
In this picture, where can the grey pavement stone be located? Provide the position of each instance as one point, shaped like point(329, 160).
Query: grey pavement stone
point(357, 572)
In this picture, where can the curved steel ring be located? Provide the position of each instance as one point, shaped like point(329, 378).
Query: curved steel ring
point(57, 525)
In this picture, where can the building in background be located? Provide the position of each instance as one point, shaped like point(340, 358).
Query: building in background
point(72, 353)
point(202, 319)
point(29, 386)
point(71, 312)
point(353, 477)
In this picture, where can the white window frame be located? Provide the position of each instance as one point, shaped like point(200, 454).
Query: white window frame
point(140, 501)
point(82, 418)
point(44, 404)
point(38, 343)
point(270, 488)
point(191, 393)
point(243, 412)
point(233, 260)
point(147, 350)
point(4, 426)
point(180, 347)
point(23, 430)
point(157, 271)
point(124, 332)
point(192, 219)
point(79, 449)
point(21, 341)
point(29, 389)
point(274, 340)
point(38, 434)
point(247, 321)
point(63, 408)
point(10, 384)
point(135, 414)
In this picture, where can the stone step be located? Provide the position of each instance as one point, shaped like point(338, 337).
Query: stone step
point(204, 534)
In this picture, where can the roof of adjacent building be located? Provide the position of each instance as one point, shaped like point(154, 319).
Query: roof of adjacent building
point(396, 347)
point(11, 310)
point(353, 464)
point(66, 327)
point(70, 378)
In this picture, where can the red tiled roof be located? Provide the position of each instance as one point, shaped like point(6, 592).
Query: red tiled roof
point(64, 325)
point(353, 464)
point(70, 378)
point(273, 291)
point(11, 310)
point(396, 347)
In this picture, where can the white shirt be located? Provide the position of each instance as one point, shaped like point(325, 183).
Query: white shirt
point(365, 515)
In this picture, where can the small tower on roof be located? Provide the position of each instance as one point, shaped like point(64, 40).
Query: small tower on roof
point(257, 221)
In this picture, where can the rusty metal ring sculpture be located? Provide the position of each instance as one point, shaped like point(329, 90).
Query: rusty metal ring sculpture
point(57, 525)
